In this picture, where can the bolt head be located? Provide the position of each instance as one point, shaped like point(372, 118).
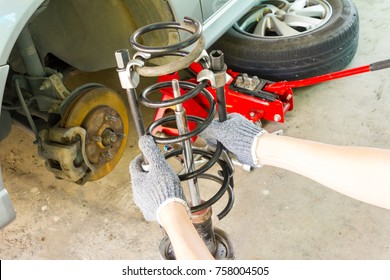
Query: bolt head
point(107, 155)
point(111, 118)
point(113, 137)
point(277, 118)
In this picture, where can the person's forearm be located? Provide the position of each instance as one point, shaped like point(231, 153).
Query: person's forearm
point(185, 240)
point(359, 172)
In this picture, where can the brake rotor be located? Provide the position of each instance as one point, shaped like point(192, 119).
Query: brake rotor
point(103, 114)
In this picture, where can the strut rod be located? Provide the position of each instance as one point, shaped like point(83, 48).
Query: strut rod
point(182, 126)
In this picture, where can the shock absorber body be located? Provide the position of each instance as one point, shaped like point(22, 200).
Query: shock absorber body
point(214, 73)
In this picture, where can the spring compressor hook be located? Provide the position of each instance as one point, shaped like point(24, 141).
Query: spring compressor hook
point(186, 51)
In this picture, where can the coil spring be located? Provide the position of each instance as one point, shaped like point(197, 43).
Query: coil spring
point(194, 28)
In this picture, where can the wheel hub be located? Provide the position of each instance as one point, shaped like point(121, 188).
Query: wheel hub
point(103, 114)
point(102, 126)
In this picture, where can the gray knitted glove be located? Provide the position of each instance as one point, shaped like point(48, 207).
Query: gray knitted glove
point(238, 135)
point(160, 185)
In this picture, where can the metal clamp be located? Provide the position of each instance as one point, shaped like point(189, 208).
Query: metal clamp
point(128, 75)
point(217, 75)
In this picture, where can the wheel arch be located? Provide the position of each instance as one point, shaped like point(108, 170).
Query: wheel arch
point(85, 34)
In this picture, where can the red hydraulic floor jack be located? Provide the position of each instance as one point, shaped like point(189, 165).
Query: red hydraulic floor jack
point(256, 99)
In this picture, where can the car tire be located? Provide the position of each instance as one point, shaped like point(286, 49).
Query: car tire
point(325, 48)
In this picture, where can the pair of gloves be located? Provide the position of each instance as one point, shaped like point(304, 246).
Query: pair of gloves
point(160, 185)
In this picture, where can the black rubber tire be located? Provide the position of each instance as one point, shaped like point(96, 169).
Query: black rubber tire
point(329, 48)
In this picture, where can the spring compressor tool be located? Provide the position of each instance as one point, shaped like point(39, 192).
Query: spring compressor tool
point(187, 126)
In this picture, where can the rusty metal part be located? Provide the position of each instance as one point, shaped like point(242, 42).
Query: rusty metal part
point(71, 135)
point(224, 247)
point(194, 31)
point(103, 115)
point(62, 150)
point(204, 226)
point(182, 63)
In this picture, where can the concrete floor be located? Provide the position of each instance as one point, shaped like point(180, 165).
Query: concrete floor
point(277, 215)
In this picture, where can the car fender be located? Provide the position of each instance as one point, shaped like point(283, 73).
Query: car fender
point(14, 15)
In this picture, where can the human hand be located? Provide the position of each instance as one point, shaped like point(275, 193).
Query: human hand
point(155, 188)
point(238, 135)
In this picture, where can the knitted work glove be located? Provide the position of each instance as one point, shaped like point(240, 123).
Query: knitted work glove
point(238, 135)
point(154, 189)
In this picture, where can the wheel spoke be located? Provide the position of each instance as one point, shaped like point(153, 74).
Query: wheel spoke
point(297, 5)
point(312, 11)
point(281, 28)
point(262, 26)
point(301, 21)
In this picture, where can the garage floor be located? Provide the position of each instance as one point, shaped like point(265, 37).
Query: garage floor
point(277, 215)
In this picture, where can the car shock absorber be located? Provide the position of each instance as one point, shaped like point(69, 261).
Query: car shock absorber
point(186, 51)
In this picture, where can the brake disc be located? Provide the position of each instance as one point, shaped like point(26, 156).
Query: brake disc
point(103, 114)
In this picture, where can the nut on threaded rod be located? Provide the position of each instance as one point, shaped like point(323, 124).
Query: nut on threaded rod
point(217, 60)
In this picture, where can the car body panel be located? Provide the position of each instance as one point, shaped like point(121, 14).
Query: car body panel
point(188, 8)
point(224, 18)
point(217, 16)
point(3, 77)
point(13, 17)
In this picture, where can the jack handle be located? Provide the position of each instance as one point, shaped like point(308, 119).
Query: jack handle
point(282, 87)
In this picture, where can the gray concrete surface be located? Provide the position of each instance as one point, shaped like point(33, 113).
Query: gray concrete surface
point(277, 215)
